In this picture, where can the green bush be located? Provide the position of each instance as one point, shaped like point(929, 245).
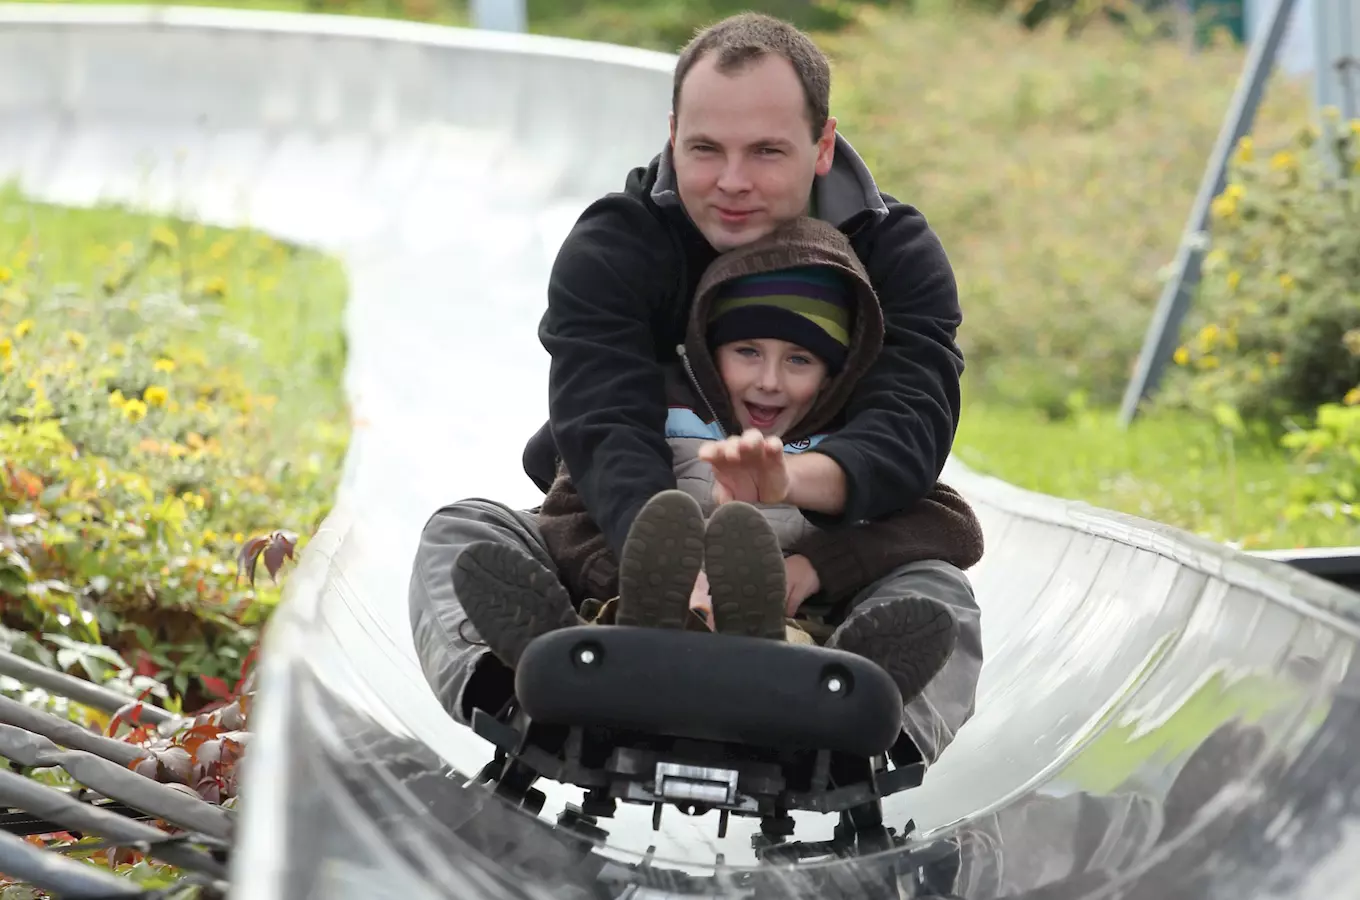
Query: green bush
point(1276, 321)
point(146, 435)
point(1275, 332)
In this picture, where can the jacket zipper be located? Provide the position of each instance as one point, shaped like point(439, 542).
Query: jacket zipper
point(684, 356)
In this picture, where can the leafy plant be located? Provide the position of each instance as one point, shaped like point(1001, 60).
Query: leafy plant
point(149, 421)
point(1273, 331)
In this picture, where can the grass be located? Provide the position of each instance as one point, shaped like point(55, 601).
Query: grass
point(1059, 176)
point(301, 341)
point(1170, 467)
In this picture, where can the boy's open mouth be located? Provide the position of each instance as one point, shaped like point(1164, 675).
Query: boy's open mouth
point(763, 416)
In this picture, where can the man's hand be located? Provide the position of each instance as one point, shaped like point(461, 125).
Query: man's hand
point(750, 468)
point(802, 582)
point(754, 469)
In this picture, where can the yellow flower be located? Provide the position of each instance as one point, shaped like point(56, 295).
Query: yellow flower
point(164, 365)
point(216, 286)
point(1352, 397)
point(1284, 161)
point(76, 339)
point(164, 237)
point(1274, 358)
point(1286, 281)
point(1234, 279)
point(209, 536)
point(6, 348)
point(6, 275)
point(1245, 150)
point(194, 500)
point(177, 450)
point(134, 410)
point(238, 538)
point(117, 349)
point(1182, 356)
point(23, 328)
point(156, 395)
point(116, 399)
point(1208, 336)
point(1223, 206)
point(194, 440)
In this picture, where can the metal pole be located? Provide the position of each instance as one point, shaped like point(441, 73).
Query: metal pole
point(77, 689)
point(499, 15)
point(1336, 41)
point(69, 878)
point(1164, 330)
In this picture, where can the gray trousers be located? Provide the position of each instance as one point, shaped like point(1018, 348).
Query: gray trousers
point(464, 674)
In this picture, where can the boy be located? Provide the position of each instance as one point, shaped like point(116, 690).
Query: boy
point(779, 332)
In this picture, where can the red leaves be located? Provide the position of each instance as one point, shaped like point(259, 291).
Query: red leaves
point(145, 666)
point(215, 687)
point(275, 547)
point(202, 758)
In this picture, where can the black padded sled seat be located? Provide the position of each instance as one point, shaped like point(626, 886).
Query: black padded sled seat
point(706, 686)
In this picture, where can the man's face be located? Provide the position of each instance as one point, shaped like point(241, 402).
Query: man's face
point(743, 149)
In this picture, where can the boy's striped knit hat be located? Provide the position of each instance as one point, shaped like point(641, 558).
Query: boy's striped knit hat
point(810, 306)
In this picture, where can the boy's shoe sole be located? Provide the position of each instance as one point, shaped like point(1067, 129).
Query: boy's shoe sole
point(745, 567)
point(660, 562)
point(510, 598)
point(911, 638)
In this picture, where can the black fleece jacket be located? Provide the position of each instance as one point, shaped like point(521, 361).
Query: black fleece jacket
point(618, 297)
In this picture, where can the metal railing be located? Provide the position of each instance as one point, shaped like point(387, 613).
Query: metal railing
point(121, 808)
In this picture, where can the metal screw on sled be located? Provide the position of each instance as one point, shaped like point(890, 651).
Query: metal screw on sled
point(835, 680)
point(588, 655)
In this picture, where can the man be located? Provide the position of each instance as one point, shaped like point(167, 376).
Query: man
point(752, 145)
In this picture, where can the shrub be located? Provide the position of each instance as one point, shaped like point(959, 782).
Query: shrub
point(141, 448)
point(1276, 322)
point(1275, 332)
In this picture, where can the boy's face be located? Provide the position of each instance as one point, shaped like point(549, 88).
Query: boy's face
point(771, 383)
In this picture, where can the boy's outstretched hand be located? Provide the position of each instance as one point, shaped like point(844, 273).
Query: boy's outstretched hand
point(755, 469)
point(750, 468)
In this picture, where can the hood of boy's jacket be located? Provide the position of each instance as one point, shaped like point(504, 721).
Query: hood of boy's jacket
point(802, 242)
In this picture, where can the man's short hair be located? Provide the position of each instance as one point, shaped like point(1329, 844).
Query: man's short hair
point(747, 37)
